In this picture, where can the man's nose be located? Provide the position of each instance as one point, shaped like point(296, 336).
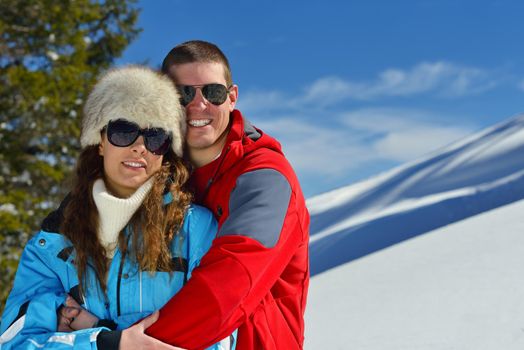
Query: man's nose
point(199, 101)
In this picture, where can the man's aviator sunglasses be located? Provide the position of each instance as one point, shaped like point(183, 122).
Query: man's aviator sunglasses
point(123, 133)
point(214, 93)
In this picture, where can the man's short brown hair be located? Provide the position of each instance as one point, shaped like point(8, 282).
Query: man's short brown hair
point(197, 51)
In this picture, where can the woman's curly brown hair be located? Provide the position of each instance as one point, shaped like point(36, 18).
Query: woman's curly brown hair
point(154, 225)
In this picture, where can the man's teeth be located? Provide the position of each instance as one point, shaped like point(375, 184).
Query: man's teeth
point(199, 122)
point(134, 165)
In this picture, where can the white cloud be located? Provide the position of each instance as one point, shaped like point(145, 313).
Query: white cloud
point(405, 134)
point(442, 79)
point(329, 90)
point(409, 144)
point(438, 79)
point(357, 138)
point(261, 101)
point(314, 148)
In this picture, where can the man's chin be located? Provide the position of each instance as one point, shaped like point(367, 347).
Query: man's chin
point(200, 145)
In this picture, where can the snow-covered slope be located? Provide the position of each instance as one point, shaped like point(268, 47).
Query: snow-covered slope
point(457, 287)
point(477, 174)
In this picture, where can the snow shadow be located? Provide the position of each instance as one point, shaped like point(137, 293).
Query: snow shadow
point(360, 240)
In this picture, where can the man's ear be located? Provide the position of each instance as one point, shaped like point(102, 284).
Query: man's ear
point(233, 97)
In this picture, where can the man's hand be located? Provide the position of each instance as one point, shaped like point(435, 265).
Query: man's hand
point(135, 338)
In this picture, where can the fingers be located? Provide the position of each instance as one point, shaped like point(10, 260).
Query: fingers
point(63, 325)
point(79, 318)
point(71, 302)
point(70, 312)
point(84, 319)
point(135, 338)
point(65, 315)
point(64, 328)
point(149, 320)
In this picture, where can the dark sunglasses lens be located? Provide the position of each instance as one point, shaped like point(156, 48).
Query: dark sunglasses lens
point(157, 141)
point(187, 94)
point(122, 133)
point(215, 93)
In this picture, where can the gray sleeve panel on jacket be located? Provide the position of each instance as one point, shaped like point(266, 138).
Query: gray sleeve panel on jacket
point(258, 206)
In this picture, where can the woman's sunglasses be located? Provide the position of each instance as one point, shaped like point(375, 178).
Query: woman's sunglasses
point(122, 133)
point(214, 93)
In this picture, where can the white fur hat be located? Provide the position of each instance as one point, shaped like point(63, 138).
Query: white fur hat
point(137, 94)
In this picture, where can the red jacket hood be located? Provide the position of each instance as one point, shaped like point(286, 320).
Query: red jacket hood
point(244, 138)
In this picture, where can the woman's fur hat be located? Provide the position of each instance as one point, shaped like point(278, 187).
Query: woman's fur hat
point(137, 94)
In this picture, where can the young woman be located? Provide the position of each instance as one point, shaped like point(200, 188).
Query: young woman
point(126, 238)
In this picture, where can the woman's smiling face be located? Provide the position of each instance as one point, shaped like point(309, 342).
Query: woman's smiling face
point(127, 168)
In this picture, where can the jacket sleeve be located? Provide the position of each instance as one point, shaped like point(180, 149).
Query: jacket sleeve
point(252, 248)
point(202, 229)
point(29, 320)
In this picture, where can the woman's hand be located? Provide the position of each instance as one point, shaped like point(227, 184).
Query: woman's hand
point(135, 338)
point(73, 317)
point(65, 315)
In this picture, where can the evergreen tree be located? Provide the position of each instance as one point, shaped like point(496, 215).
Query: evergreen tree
point(51, 52)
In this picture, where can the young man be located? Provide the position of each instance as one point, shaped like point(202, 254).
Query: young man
point(256, 274)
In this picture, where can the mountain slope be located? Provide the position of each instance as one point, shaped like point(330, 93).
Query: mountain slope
point(477, 174)
point(458, 287)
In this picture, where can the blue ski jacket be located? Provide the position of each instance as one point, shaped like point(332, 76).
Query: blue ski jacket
point(46, 274)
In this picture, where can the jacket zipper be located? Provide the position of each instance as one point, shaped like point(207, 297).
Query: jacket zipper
point(118, 283)
point(215, 174)
point(119, 280)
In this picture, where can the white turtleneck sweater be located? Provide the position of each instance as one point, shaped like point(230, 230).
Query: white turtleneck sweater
point(114, 213)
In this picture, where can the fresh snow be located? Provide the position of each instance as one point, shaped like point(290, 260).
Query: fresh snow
point(477, 174)
point(457, 287)
point(425, 256)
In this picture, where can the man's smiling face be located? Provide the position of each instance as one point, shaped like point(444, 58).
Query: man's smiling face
point(207, 123)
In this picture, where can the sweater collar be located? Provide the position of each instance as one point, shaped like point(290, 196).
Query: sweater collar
point(114, 213)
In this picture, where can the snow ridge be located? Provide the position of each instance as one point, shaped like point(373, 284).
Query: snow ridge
point(479, 173)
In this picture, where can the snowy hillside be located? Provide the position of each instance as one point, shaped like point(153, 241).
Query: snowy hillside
point(458, 287)
point(403, 261)
point(480, 173)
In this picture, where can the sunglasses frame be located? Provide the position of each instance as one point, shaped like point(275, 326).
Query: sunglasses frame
point(204, 90)
point(145, 133)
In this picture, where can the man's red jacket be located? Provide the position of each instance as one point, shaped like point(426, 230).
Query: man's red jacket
point(255, 276)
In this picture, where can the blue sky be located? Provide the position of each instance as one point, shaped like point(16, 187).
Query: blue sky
point(353, 88)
